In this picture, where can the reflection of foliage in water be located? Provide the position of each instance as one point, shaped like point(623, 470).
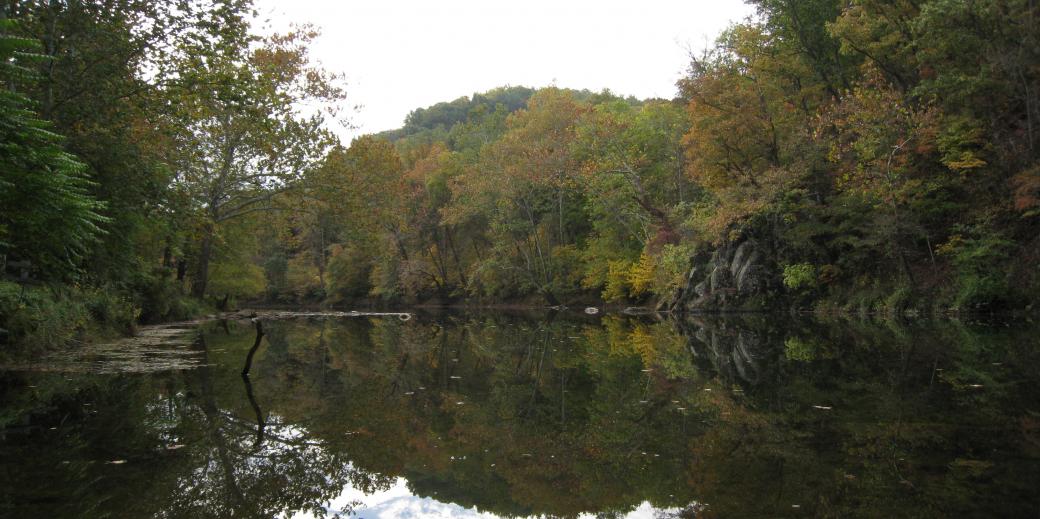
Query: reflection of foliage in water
point(551, 416)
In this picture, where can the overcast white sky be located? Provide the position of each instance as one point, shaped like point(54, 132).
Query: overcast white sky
point(399, 55)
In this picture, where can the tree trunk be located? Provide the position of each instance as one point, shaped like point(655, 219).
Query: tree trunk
point(182, 270)
point(321, 257)
point(198, 285)
point(550, 297)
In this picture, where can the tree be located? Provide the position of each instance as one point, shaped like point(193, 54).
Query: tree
point(97, 89)
point(632, 164)
point(526, 184)
point(344, 204)
point(243, 123)
point(47, 216)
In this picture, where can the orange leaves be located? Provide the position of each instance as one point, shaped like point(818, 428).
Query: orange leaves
point(1027, 191)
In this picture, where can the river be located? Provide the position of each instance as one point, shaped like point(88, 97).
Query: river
point(530, 415)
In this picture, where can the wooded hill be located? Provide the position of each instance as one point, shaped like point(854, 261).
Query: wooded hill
point(859, 155)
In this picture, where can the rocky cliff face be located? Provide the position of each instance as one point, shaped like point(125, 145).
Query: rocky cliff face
point(736, 276)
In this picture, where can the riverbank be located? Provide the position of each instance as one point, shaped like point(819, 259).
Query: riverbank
point(36, 318)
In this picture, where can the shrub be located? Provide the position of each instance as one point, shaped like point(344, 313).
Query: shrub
point(303, 278)
point(349, 274)
point(800, 276)
point(111, 309)
point(898, 301)
point(617, 280)
point(672, 267)
point(385, 278)
point(161, 298)
point(978, 254)
point(37, 318)
point(641, 275)
point(237, 278)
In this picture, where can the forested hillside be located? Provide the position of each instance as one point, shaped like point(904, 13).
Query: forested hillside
point(860, 156)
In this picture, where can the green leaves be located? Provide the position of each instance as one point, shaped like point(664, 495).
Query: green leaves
point(47, 217)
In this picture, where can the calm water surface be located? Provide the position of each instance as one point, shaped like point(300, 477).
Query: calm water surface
point(491, 415)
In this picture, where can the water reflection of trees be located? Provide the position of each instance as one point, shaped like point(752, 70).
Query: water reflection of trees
point(751, 415)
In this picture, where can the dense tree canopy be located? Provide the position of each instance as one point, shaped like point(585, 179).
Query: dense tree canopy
point(878, 155)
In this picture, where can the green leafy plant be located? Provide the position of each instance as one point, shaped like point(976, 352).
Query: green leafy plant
point(799, 276)
point(47, 217)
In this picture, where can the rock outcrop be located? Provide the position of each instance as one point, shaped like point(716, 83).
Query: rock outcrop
point(736, 276)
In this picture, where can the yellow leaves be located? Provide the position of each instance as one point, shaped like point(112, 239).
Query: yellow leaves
point(644, 343)
point(964, 161)
point(951, 247)
point(626, 278)
point(641, 275)
point(961, 142)
point(626, 338)
point(617, 280)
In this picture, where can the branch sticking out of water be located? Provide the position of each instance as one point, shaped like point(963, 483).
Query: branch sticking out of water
point(256, 346)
